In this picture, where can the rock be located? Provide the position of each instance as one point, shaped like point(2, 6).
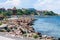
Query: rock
point(58, 38)
point(40, 35)
point(44, 36)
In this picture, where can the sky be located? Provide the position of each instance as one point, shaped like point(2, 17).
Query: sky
point(51, 5)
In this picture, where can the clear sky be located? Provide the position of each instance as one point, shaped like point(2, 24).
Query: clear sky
point(53, 5)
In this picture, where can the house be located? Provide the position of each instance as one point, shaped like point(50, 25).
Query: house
point(14, 10)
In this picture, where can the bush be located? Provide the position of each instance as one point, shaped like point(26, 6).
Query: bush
point(0, 23)
point(35, 36)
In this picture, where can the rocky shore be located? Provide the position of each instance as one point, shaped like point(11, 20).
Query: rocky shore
point(22, 27)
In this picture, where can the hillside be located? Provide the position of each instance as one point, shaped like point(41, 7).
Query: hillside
point(23, 11)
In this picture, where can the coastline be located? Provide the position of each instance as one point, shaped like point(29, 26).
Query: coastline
point(43, 37)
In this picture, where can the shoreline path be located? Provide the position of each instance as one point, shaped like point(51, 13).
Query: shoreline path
point(3, 36)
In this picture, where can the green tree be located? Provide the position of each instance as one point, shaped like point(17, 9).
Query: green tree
point(19, 12)
point(8, 13)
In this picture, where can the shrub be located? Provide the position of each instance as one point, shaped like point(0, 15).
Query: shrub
point(0, 23)
point(35, 36)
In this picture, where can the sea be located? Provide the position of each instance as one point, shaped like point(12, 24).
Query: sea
point(49, 25)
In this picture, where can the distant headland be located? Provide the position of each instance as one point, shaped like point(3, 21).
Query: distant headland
point(28, 11)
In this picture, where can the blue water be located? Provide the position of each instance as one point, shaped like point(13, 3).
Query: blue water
point(48, 25)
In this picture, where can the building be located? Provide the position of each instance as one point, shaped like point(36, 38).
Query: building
point(14, 10)
point(2, 10)
point(9, 9)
